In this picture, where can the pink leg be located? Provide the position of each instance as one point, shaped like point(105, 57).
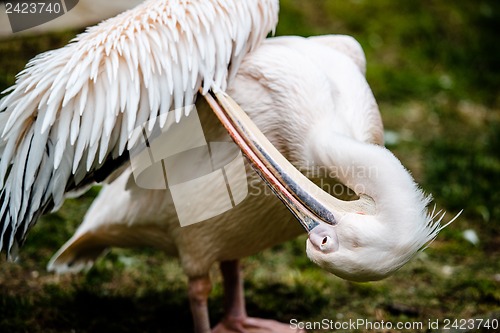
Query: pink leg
point(235, 318)
point(199, 290)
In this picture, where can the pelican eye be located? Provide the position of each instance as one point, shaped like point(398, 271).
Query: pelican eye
point(325, 243)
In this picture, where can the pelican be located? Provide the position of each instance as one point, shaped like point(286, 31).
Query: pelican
point(306, 103)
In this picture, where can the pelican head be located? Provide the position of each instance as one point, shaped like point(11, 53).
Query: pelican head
point(366, 248)
point(373, 243)
point(369, 244)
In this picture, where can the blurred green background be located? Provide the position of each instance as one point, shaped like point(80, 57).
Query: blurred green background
point(434, 69)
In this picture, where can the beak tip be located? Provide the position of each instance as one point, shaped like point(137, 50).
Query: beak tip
point(310, 225)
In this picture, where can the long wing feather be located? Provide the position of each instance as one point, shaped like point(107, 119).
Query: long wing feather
point(68, 119)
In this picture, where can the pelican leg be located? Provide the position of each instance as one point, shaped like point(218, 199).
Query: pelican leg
point(234, 301)
point(235, 319)
point(198, 290)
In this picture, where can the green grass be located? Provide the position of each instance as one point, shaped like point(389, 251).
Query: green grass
point(433, 67)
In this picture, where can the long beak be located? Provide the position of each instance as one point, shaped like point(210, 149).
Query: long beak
point(307, 202)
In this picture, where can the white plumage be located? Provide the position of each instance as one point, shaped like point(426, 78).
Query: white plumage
point(310, 98)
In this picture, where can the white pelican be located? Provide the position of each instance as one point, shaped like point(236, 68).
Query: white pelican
point(309, 97)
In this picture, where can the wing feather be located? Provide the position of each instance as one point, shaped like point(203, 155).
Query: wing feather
point(65, 171)
point(75, 125)
point(70, 115)
point(62, 134)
